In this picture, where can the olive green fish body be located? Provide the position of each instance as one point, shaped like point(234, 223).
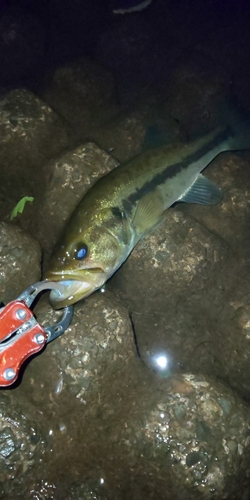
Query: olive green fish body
point(125, 205)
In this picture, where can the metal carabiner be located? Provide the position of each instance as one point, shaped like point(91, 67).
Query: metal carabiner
point(30, 294)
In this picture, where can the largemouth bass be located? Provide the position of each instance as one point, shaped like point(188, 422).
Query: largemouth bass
point(127, 204)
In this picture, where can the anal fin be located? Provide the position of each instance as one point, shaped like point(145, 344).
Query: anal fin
point(202, 191)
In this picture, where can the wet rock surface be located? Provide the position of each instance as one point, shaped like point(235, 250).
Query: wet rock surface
point(147, 393)
point(123, 136)
point(99, 338)
point(22, 443)
point(192, 429)
point(27, 125)
point(20, 261)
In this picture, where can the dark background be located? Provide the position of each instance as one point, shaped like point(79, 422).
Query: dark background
point(36, 37)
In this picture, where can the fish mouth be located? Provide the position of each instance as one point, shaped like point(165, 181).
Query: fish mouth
point(72, 288)
point(70, 291)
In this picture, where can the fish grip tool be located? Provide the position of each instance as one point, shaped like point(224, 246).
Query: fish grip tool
point(21, 336)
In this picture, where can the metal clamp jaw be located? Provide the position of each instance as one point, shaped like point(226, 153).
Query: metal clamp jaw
point(21, 335)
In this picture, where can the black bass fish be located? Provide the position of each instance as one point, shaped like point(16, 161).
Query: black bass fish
point(126, 204)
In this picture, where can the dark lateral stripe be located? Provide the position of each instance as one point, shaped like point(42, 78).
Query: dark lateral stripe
point(172, 170)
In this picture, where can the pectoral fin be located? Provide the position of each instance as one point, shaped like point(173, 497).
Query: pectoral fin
point(202, 191)
point(149, 212)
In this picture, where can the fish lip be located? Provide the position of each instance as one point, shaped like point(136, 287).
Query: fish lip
point(67, 294)
point(70, 276)
point(73, 287)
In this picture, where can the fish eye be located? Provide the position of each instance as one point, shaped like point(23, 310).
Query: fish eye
point(80, 251)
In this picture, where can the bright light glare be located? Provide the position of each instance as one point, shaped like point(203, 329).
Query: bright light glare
point(161, 361)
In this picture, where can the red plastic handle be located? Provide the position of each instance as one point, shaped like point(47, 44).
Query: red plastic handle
point(30, 339)
point(12, 317)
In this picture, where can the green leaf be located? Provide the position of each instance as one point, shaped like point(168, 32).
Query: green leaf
point(19, 208)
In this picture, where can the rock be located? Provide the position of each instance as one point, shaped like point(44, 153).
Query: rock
point(41, 490)
point(123, 136)
point(192, 442)
point(98, 340)
point(168, 283)
point(20, 258)
point(188, 433)
point(230, 171)
point(31, 133)
point(85, 491)
point(82, 92)
point(228, 348)
point(174, 257)
point(22, 444)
